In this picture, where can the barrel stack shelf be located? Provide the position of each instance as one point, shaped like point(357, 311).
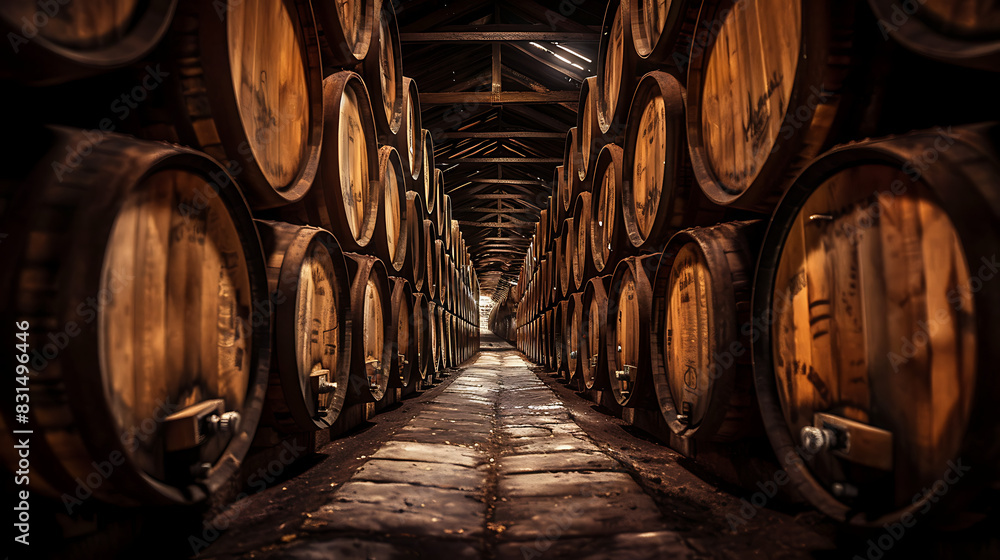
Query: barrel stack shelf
point(267, 233)
point(764, 240)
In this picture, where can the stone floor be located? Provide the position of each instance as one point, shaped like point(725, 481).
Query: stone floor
point(501, 461)
point(496, 466)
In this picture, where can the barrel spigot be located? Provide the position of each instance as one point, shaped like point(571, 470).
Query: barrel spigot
point(815, 440)
point(223, 425)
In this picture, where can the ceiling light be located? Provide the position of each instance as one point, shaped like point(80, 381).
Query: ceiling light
point(574, 53)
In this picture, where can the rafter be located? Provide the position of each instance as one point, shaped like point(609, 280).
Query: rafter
point(500, 97)
point(520, 161)
point(500, 33)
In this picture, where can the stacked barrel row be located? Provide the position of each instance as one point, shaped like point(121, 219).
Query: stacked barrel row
point(275, 249)
point(501, 320)
point(724, 248)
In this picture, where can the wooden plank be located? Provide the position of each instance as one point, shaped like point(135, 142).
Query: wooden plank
point(489, 33)
point(502, 239)
point(508, 181)
point(498, 196)
point(511, 134)
point(501, 160)
point(499, 97)
point(496, 75)
point(492, 240)
point(489, 250)
point(514, 224)
point(499, 211)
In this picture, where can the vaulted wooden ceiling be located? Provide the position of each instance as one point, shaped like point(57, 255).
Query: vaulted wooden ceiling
point(499, 87)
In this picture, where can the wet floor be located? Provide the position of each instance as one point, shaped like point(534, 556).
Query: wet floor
point(498, 464)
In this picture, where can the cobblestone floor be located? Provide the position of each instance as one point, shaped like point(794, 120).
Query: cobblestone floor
point(502, 462)
point(494, 466)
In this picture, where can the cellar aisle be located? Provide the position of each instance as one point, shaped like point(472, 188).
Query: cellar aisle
point(495, 466)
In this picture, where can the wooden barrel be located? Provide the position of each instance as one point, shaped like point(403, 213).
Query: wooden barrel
point(574, 329)
point(593, 347)
point(410, 139)
point(544, 232)
point(403, 369)
point(616, 70)
point(965, 32)
point(555, 187)
point(874, 372)
point(583, 263)
point(571, 185)
point(466, 341)
point(425, 346)
point(390, 240)
point(659, 194)
point(77, 38)
point(456, 247)
point(608, 240)
point(544, 285)
point(415, 267)
point(561, 320)
point(440, 278)
point(530, 340)
point(435, 339)
point(429, 173)
point(589, 139)
point(552, 339)
point(630, 304)
point(765, 104)
point(430, 258)
point(143, 305)
point(382, 71)
point(372, 329)
point(662, 31)
point(247, 89)
point(345, 200)
point(440, 210)
point(567, 251)
point(525, 331)
point(542, 337)
point(535, 245)
point(700, 357)
point(446, 223)
point(440, 348)
point(310, 288)
point(447, 281)
point(550, 278)
point(348, 28)
point(557, 262)
point(451, 336)
point(536, 339)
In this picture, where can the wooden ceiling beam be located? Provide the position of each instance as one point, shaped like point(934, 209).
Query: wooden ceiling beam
point(496, 196)
point(497, 210)
point(498, 98)
point(508, 181)
point(505, 239)
point(517, 161)
point(500, 34)
point(512, 134)
point(513, 224)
